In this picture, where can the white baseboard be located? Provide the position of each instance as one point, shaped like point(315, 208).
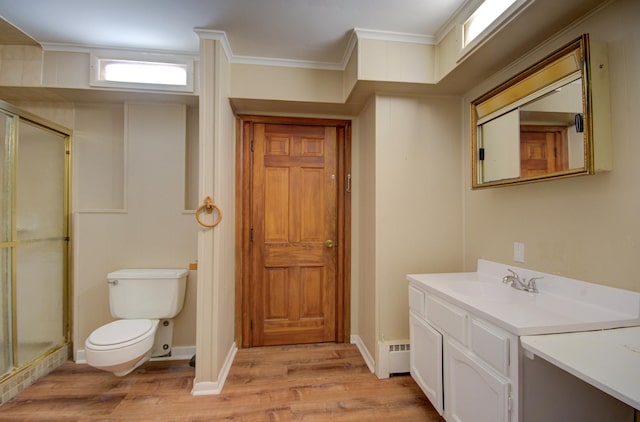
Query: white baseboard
point(80, 357)
point(177, 353)
point(383, 362)
point(355, 339)
point(207, 388)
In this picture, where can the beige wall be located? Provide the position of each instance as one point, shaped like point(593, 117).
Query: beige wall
point(286, 83)
point(587, 227)
point(407, 207)
point(413, 209)
point(418, 201)
point(152, 231)
point(395, 61)
point(216, 246)
point(448, 52)
point(128, 190)
point(224, 191)
point(21, 65)
point(363, 275)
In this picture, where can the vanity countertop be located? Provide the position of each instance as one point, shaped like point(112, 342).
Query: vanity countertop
point(606, 359)
point(562, 305)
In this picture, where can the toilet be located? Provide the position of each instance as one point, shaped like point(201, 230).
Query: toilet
point(145, 300)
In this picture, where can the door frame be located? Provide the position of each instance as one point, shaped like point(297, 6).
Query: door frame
point(243, 222)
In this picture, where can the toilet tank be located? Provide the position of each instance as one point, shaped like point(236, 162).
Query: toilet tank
point(147, 293)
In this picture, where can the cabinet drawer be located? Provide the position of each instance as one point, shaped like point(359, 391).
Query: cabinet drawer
point(447, 317)
point(416, 300)
point(491, 344)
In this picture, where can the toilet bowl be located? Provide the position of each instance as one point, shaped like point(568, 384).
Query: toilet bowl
point(144, 301)
point(121, 346)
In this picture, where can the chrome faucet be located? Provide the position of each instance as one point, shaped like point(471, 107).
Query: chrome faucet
point(521, 284)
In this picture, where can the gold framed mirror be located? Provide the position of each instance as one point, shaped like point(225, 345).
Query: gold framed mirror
point(537, 125)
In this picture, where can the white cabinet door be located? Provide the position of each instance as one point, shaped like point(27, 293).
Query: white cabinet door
point(426, 360)
point(474, 392)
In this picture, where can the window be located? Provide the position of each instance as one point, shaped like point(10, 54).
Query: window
point(155, 73)
point(488, 12)
point(143, 72)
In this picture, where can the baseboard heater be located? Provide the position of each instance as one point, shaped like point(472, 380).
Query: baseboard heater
point(398, 358)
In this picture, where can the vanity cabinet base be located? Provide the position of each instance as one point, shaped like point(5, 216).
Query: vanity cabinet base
point(465, 366)
point(552, 394)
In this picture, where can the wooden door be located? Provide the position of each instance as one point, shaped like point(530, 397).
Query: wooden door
point(543, 150)
point(294, 234)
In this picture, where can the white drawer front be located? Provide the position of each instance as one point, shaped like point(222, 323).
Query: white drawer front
point(491, 344)
point(416, 300)
point(447, 317)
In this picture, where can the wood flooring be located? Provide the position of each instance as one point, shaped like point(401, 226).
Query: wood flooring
point(324, 382)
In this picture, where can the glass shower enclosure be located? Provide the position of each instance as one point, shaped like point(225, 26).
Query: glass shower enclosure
point(34, 239)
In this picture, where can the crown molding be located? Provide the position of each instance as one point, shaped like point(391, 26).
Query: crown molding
point(371, 34)
point(221, 36)
point(75, 48)
point(356, 34)
point(303, 64)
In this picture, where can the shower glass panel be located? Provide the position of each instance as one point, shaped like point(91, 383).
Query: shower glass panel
point(6, 169)
point(6, 352)
point(6, 147)
point(41, 241)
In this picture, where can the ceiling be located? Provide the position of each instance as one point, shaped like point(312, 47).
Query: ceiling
point(310, 33)
point(316, 31)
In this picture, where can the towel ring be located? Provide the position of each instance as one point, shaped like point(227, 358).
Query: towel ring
point(208, 207)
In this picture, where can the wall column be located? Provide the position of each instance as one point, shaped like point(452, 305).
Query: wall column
point(215, 347)
point(206, 371)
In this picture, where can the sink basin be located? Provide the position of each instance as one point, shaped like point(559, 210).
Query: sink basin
point(490, 292)
point(562, 305)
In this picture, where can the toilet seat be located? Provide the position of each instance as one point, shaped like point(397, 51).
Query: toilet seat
point(121, 346)
point(121, 333)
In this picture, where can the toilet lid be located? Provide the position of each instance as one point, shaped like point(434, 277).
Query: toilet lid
point(120, 331)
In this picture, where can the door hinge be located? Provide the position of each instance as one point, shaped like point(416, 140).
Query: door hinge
point(252, 145)
point(67, 238)
point(251, 234)
point(251, 325)
point(481, 154)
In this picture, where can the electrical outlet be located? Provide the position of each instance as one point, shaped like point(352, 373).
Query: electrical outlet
point(518, 252)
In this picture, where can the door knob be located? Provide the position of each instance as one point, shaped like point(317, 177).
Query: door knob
point(329, 243)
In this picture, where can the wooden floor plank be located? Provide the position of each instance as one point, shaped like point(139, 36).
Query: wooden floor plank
point(325, 382)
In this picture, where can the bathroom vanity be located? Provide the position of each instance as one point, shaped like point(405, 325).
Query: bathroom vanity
point(465, 331)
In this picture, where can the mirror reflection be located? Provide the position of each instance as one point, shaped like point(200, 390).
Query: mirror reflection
point(534, 126)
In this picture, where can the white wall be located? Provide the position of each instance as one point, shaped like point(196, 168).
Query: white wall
point(587, 227)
